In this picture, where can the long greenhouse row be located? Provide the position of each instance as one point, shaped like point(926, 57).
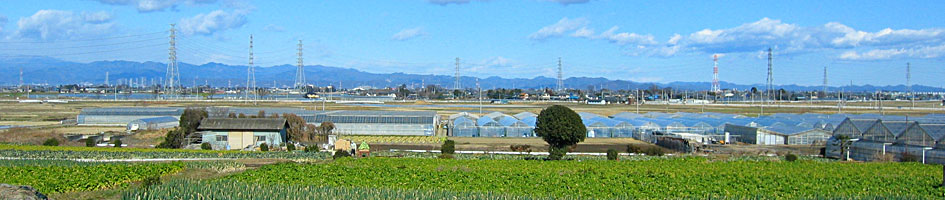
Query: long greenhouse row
point(778, 128)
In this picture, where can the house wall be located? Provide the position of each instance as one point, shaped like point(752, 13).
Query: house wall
point(242, 139)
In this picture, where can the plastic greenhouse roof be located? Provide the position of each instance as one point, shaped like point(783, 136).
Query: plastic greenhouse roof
point(863, 124)
point(154, 111)
point(897, 127)
point(587, 115)
point(523, 115)
point(494, 115)
point(937, 131)
point(530, 121)
point(485, 121)
point(464, 120)
point(463, 114)
point(165, 119)
point(507, 121)
point(627, 115)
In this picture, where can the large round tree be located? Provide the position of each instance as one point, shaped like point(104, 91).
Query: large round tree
point(561, 127)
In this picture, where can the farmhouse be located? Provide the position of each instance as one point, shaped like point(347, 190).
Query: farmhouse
point(239, 133)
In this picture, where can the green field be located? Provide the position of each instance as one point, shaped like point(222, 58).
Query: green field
point(62, 176)
point(687, 177)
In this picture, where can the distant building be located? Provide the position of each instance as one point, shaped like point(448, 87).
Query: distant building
point(239, 133)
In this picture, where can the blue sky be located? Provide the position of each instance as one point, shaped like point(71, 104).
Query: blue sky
point(653, 41)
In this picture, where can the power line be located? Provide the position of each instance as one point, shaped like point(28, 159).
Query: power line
point(85, 40)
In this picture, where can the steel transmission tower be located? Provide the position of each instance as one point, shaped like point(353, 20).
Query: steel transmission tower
point(560, 85)
point(172, 75)
point(251, 74)
point(456, 83)
point(715, 74)
point(825, 81)
point(909, 83)
point(300, 74)
point(769, 88)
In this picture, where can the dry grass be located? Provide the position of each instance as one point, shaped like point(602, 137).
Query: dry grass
point(33, 136)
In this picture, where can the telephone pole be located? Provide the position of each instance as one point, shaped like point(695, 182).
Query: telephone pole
point(173, 73)
point(300, 74)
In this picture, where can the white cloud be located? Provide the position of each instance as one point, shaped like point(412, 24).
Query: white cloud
point(627, 38)
point(51, 25)
point(568, 2)
point(791, 38)
point(213, 22)
point(274, 28)
point(154, 5)
point(559, 28)
point(409, 33)
point(498, 61)
point(583, 32)
point(885, 54)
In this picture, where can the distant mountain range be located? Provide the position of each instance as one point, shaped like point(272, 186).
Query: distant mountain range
point(45, 70)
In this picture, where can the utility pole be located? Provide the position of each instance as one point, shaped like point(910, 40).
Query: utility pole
point(173, 73)
point(480, 95)
point(300, 74)
point(251, 74)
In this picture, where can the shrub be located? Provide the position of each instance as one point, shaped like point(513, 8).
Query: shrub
point(654, 151)
point(448, 147)
point(289, 146)
point(556, 153)
point(311, 149)
point(89, 142)
point(634, 149)
point(908, 157)
point(263, 147)
point(612, 154)
point(340, 154)
point(151, 181)
point(117, 143)
point(205, 146)
point(51, 142)
point(560, 127)
point(790, 157)
point(446, 156)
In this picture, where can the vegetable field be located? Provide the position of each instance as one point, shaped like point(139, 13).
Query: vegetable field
point(229, 189)
point(99, 153)
point(66, 176)
point(689, 177)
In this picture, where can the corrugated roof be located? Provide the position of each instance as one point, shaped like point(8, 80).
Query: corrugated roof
point(271, 124)
point(152, 111)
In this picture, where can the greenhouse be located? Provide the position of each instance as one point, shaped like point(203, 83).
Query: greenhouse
point(155, 123)
point(515, 127)
point(854, 128)
point(370, 122)
point(121, 116)
point(464, 127)
point(489, 127)
point(909, 133)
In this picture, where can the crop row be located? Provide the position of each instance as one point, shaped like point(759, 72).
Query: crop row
point(686, 177)
point(395, 139)
point(65, 177)
point(46, 152)
point(230, 189)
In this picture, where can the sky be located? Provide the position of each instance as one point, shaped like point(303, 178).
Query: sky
point(866, 42)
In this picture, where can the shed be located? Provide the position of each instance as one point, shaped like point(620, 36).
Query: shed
point(239, 133)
